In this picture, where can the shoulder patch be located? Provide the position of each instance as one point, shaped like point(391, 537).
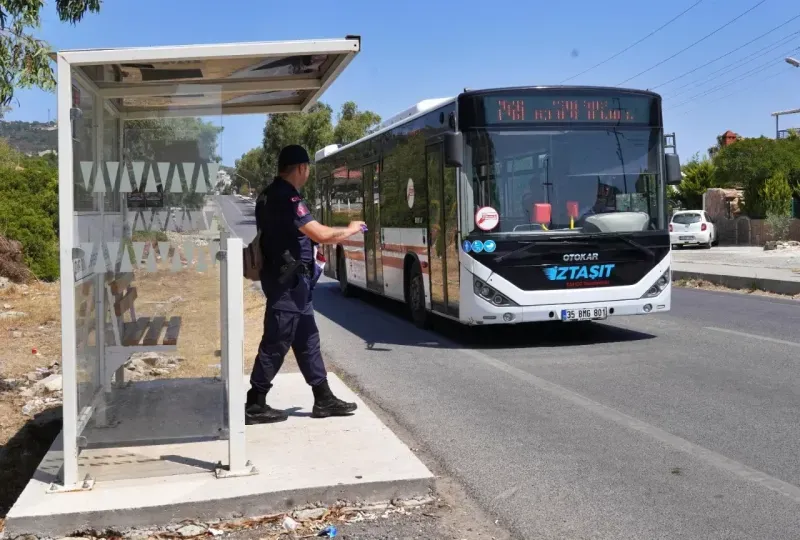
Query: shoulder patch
point(301, 209)
point(297, 199)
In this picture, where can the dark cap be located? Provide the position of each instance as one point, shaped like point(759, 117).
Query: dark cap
point(294, 154)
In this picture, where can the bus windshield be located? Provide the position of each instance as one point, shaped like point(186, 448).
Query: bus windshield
point(551, 181)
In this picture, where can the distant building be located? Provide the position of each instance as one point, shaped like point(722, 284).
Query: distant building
point(729, 137)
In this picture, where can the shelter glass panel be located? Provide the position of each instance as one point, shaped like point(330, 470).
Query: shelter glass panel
point(147, 229)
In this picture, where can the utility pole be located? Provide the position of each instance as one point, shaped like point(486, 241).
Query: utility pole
point(669, 142)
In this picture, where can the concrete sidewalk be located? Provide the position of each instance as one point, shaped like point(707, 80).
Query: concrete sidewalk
point(300, 461)
point(775, 271)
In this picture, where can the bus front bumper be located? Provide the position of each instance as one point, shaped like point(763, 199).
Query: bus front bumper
point(590, 311)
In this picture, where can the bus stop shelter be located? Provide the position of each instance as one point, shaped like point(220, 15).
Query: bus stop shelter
point(144, 248)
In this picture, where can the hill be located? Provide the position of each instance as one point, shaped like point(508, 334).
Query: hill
point(30, 138)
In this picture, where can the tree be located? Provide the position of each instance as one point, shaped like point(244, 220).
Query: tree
point(314, 130)
point(247, 170)
point(353, 124)
point(24, 60)
point(776, 195)
point(698, 178)
point(145, 138)
point(749, 163)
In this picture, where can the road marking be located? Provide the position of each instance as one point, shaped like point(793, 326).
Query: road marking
point(753, 336)
point(712, 458)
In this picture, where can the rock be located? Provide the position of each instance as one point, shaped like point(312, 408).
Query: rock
point(769, 246)
point(33, 376)
point(7, 306)
point(31, 407)
point(50, 384)
point(153, 360)
point(310, 514)
point(411, 503)
point(16, 334)
point(188, 531)
point(4, 282)
point(175, 299)
point(6, 315)
point(27, 392)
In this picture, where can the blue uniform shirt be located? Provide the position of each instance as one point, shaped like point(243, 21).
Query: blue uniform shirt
point(280, 212)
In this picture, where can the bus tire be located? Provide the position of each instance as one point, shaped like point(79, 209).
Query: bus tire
point(341, 274)
point(416, 297)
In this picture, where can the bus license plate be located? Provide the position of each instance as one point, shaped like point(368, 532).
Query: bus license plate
point(584, 314)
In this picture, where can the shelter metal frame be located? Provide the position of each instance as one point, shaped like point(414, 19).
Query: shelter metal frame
point(300, 88)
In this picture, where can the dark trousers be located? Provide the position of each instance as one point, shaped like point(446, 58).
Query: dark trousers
point(284, 329)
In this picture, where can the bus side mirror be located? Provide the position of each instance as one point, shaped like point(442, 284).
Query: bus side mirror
point(674, 176)
point(453, 149)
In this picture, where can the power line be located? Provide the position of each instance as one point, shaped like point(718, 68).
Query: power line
point(756, 70)
point(761, 82)
point(629, 47)
point(727, 53)
point(745, 75)
point(739, 63)
point(693, 44)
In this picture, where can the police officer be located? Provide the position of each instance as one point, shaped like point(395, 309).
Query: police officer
point(286, 224)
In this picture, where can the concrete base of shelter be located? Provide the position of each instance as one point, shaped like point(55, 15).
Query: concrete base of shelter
point(300, 461)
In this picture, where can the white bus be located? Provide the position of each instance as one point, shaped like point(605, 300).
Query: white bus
point(508, 205)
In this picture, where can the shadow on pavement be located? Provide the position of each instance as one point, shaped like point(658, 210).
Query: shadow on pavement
point(382, 322)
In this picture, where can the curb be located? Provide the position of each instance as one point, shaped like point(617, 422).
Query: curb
point(790, 288)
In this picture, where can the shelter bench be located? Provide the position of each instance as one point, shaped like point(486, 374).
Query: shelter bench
point(137, 334)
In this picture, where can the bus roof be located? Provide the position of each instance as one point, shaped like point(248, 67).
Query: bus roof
point(428, 105)
point(402, 117)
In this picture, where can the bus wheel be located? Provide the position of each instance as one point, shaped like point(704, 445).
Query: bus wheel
point(416, 297)
point(344, 286)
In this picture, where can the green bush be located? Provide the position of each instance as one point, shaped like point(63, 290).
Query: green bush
point(779, 224)
point(776, 195)
point(29, 214)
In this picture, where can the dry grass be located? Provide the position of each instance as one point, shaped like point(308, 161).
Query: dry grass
point(23, 442)
point(193, 295)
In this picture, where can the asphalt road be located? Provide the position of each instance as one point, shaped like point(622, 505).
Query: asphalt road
point(678, 425)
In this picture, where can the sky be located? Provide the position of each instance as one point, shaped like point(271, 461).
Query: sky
point(414, 50)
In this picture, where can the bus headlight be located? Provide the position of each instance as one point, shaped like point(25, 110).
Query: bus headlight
point(490, 295)
point(660, 284)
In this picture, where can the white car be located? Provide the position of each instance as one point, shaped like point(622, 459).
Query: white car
point(692, 228)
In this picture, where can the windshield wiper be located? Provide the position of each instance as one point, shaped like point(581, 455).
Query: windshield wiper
point(534, 243)
point(628, 240)
point(577, 241)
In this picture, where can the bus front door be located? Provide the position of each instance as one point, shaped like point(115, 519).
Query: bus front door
point(436, 228)
point(372, 247)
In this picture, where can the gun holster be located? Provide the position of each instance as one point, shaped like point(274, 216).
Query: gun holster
point(290, 268)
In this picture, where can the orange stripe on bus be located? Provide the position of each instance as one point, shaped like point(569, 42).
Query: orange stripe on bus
point(398, 262)
point(353, 243)
point(419, 250)
point(354, 255)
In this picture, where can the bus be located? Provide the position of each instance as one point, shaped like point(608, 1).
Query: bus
point(508, 205)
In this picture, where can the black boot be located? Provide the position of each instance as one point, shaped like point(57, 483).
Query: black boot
point(256, 410)
point(326, 404)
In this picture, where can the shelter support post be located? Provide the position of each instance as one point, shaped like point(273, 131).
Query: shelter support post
point(69, 476)
point(232, 300)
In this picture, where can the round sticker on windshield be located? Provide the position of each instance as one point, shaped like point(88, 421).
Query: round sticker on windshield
point(477, 246)
point(487, 218)
point(467, 246)
point(489, 246)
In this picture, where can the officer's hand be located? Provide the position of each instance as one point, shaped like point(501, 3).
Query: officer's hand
point(355, 227)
